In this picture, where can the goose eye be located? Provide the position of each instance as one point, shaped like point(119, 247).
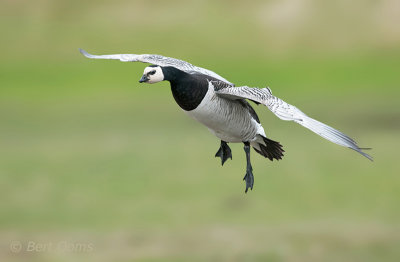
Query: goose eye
point(152, 72)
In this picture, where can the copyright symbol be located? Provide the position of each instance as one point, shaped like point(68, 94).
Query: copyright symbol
point(15, 246)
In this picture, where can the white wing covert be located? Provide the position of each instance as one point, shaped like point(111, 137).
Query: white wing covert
point(286, 112)
point(160, 61)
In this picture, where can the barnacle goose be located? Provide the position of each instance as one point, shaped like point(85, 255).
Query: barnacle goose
point(219, 105)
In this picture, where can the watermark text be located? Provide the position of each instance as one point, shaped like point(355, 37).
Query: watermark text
point(50, 246)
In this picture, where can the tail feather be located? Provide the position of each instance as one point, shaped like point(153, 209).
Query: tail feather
point(268, 148)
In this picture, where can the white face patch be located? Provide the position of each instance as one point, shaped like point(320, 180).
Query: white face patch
point(154, 74)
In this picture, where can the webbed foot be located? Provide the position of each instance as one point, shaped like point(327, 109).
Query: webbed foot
point(249, 178)
point(224, 152)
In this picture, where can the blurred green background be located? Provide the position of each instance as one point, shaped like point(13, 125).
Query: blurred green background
point(114, 169)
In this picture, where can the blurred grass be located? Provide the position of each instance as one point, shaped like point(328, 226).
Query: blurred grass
point(89, 155)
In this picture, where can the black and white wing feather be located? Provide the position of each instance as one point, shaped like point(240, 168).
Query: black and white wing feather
point(160, 61)
point(286, 112)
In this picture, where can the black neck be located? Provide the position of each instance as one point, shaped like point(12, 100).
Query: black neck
point(188, 90)
point(173, 74)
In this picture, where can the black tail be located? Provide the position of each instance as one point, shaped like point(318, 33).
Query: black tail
point(271, 151)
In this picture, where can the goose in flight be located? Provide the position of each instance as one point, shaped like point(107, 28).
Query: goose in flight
point(223, 108)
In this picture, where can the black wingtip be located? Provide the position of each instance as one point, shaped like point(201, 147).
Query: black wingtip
point(362, 153)
point(83, 52)
point(86, 54)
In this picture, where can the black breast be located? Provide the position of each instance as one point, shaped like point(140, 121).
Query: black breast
point(188, 90)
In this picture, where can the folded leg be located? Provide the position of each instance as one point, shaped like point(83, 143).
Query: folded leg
point(249, 178)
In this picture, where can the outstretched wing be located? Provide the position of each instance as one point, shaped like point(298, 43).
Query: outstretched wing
point(286, 112)
point(158, 60)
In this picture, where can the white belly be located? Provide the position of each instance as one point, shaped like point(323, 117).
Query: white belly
point(227, 119)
